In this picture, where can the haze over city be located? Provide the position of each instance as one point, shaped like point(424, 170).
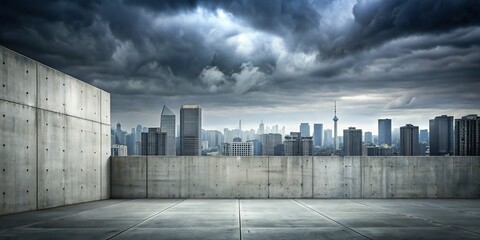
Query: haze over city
point(283, 62)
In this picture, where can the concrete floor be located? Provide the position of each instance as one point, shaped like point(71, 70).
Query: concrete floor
point(250, 219)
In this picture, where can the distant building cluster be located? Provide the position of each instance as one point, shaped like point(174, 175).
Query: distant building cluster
point(445, 137)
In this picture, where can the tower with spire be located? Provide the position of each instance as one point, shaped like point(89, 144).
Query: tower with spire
point(335, 119)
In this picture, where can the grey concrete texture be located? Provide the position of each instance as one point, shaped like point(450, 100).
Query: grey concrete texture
point(53, 151)
point(295, 177)
point(251, 219)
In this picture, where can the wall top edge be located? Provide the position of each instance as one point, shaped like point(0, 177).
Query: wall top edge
point(303, 157)
point(37, 62)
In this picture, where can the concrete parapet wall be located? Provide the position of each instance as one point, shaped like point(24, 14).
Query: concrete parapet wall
point(295, 177)
point(54, 137)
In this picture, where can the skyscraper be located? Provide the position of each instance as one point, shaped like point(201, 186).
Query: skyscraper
point(296, 145)
point(385, 131)
point(424, 136)
point(409, 140)
point(269, 142)
point(467, 136)
point(167, 125)
point(441, 136)
point(317, 134)
point(190, 130)
point(153, 142)
point(327, 138)
point(305, 129)
point(352, 142)
point(368, 138)
point(261, 129)
point(238, 149)
point(335, 120)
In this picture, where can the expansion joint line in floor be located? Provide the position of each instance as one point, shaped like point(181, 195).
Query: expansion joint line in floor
point(411, 216)
point(239, 219)
point(148, 218)
point(57, 218)
point(325, 216)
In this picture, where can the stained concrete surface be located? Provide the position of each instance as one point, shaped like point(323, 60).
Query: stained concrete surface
point(250, 219)
point(328, 177)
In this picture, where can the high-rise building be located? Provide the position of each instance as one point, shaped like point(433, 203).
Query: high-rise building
point(261, 129)
point(385, 131)
point(424, 136)
point(257, 147)
point(214, 138)
point(238, 149)
point(120, 135)
point(467, 136)
point(368, 138)
point(305, 129)
point(153, 142)
point(167, 124)
point(327, 138)
point(137, 149)
point(317, 134)
point(119, 150)
point(395, 137)
point(409, 140)
point(441, 136)
point(130, 139)
point(190, 130)
point(382, 150)
point(269, 142)
point(296, 145)
point(352, 142)
point(335, 120)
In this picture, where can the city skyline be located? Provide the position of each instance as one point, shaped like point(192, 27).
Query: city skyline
point(255, 60)
point(248, 125)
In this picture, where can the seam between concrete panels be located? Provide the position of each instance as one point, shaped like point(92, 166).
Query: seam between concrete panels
point(146, 176)
point(36, 132)
point(101, 149)
point(313, 178)
point(268, 176)
point(37, 108)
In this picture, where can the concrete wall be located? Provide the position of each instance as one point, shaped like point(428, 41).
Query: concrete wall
point(295, 177)
point(54, 136)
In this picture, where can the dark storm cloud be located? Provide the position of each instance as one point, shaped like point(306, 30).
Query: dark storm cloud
point(377, 22)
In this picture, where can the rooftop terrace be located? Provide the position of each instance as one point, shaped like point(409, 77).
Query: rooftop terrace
point(250, 219)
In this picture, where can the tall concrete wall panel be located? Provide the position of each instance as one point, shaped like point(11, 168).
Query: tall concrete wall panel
point(290, 177)
point(295, 177)
point(18, 152)
point(185, 177)
point(18, 78)
point(129, 177)
point(54, 152)
point(328, 177)
point(105, 166)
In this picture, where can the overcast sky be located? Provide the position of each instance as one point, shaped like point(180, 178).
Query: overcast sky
point(283, 62)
